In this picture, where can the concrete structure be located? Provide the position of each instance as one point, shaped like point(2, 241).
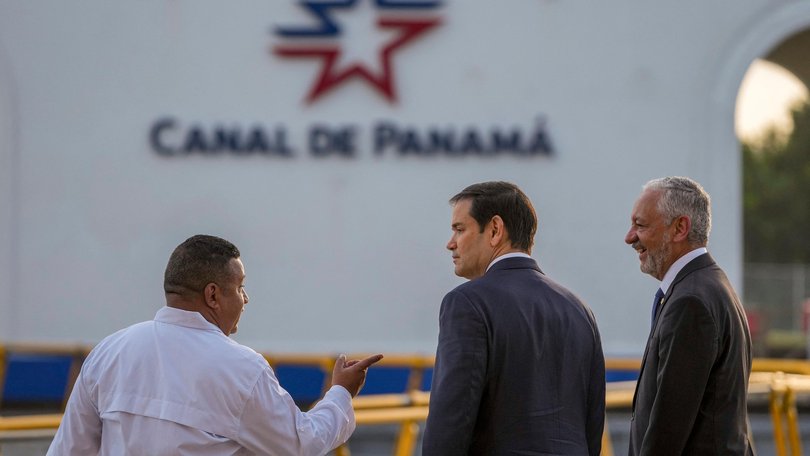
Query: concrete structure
point(126, 127)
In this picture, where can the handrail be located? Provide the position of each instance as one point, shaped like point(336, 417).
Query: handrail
point(788, 366)
point(780, 379)
point(391, 415)
point(409, 409)
point(622, 364)
point(415, 363)
point(30, 422)
point(374, 401)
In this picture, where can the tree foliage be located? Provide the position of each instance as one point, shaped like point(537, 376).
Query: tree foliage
point(776, 194)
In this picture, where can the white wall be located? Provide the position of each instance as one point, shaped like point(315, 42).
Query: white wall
point(7, 199)
point(348, 254)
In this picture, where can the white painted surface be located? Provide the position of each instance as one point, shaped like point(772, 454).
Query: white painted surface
point(348, 254)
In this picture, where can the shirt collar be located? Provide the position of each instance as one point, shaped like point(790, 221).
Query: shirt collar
point(508, 255)
point(179, 317)
point(676, 267)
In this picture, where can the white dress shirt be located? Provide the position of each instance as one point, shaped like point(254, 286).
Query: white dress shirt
point(178, 386)
point(676, 267)
point(508, 255)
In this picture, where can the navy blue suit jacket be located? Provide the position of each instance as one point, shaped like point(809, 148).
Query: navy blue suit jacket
point(519, 369)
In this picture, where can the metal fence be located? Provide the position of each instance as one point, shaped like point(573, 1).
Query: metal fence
point(777, 301)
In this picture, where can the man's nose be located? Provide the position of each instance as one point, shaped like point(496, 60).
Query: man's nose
point(630, 237)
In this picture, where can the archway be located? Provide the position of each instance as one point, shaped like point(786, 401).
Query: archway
point(782, 38)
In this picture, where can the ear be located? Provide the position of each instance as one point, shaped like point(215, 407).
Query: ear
point(211, 295)
point(682, 226)
point(497, 231)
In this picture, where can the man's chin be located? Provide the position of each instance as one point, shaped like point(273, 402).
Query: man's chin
point(655, 273)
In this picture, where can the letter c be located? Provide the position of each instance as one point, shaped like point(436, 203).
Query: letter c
point(155, 136)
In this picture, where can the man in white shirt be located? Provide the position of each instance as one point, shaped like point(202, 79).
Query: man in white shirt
point(691, 393)
point(178, 385)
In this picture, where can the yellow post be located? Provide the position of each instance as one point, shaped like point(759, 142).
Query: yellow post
point(406, 443)
point(776, 401)
point(343, 450)
point(793, 422)
point(607, 443)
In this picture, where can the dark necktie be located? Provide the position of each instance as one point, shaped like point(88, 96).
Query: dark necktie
point(659, 295)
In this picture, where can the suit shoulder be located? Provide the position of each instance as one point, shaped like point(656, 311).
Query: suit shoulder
point(464, 292)
point(560, 288)
point(705, 284)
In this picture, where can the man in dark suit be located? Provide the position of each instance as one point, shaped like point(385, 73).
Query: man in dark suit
point(519, 366)
point(691, 393)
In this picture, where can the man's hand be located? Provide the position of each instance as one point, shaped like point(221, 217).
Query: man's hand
point(352, 374)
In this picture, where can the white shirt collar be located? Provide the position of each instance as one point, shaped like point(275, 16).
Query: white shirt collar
point(180, 317)
point(676, 267)
point(508, 255)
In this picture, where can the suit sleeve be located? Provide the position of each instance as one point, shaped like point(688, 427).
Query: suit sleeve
point(687, 350)
point(596, 396)
point(458, 378)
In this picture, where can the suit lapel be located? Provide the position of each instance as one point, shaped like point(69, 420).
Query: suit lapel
point(698, 263)
point(643, 363)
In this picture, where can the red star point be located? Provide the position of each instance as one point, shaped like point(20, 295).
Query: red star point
point(330, 77)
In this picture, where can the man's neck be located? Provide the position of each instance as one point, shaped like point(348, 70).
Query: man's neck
point(510, 254)
point(676, 267)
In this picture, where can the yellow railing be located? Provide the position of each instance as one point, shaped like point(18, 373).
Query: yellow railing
point(407, 410)
point(416, 364)
point(779, 380)
point(788, 366)
point(30, 422)
point(628, 364)
point(29, 426)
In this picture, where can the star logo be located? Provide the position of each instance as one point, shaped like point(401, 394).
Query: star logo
point(324, 42)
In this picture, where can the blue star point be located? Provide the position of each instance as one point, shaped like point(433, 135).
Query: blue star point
point(330, 76)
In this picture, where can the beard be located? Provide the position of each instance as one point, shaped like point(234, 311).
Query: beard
point(654, 264)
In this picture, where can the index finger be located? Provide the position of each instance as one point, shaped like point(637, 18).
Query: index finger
point(362, 364)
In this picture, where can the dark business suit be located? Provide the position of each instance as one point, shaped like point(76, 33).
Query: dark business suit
point(691, 393)
point(519, 369)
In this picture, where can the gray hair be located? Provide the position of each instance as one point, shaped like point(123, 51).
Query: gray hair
point(683, 196)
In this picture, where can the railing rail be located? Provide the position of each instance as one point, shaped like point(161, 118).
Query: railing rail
point(780, 380)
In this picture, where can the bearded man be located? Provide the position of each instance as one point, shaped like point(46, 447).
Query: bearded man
point(690, 397)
